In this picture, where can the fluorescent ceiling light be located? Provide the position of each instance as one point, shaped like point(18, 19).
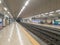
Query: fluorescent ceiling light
point(39, 15)
point(51, 12)
point(43, 15)
point(23, 8)
point(5, 8)
point(0, 1)
point(27, 2)
point(46, 13)
point(57, 10)
point(8, 12)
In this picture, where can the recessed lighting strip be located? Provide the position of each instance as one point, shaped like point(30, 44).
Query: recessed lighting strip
point(27, 2)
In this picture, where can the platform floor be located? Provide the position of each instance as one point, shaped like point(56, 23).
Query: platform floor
point(15, 34)
point(53, 26)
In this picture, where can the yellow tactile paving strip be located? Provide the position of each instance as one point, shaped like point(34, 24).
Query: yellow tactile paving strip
point(34, 42)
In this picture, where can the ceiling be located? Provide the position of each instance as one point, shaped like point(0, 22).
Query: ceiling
point(33, 8)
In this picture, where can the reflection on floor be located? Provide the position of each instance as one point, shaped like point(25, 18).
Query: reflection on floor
point(15, 34)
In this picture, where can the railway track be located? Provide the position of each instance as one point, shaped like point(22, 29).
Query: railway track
point(49, 35)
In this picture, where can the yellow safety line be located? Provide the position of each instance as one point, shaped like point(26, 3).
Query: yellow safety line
point(34, 42)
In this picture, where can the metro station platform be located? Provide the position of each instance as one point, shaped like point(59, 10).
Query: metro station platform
point(47, 25)
point(49, 34)
point(28, 34)
point(15, 34)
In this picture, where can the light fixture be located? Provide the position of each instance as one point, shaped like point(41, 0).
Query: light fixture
point(57, 10)
point(51, 12)
point(5, 8)
point(0, 1)
point(39, 15)
point(27, 2)
point(8, 12)
point(46, 13)
point(42, 15)
point(23, 8)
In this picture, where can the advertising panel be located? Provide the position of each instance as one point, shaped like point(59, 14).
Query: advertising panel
point(1, 22)
point(57, 22)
